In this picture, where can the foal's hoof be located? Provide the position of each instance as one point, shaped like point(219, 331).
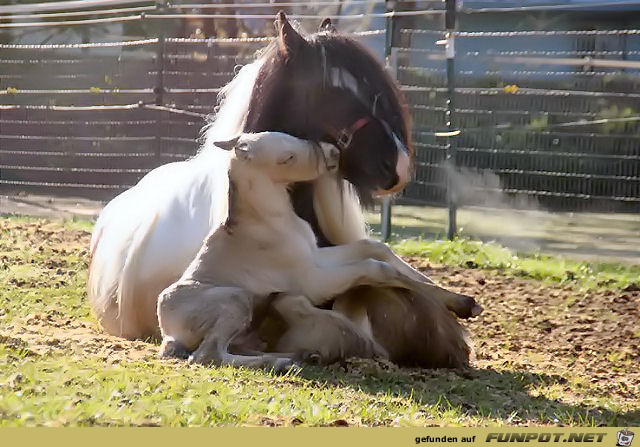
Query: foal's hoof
point(312, 358)
point(173, 349)
point(285, 365)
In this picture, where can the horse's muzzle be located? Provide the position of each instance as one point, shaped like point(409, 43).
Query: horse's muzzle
point(403, 170)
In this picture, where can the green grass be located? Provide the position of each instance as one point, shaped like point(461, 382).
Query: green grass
point(50, 390)
point(57, 368)
point(550, 269)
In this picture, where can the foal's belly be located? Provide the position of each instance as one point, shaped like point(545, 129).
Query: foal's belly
point(257, 266)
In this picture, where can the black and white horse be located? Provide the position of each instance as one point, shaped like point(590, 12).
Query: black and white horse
point(325, 87)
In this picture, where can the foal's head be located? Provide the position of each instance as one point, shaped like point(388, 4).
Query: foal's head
point(327, 87)
point(281, 157)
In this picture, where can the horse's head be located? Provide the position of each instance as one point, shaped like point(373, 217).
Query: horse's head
point(281, 157)
point(327, 87)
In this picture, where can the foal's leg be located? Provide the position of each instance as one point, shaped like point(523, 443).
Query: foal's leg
point(462, 305)
point(322, 335)
point(204, 319)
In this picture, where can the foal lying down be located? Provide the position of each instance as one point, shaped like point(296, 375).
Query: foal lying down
point(266, 256)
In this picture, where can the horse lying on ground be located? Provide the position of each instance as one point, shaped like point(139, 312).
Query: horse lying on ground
point(324, 87)
point(265, 249)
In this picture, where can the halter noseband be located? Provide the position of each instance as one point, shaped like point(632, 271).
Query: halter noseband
point(344, 136)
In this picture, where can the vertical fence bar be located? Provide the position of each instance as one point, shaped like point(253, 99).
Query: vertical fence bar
point(390, 54)
point(386, 210)
point(159, 88)
point(450, 164)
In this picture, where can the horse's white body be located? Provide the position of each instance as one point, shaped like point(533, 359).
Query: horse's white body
point(146, 237)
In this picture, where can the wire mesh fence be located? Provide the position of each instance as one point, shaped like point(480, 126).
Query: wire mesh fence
point(548, 117)
point(547, 112)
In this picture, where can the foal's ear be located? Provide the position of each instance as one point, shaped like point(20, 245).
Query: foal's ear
point(289, 41)
point(227, 145)
point(327, 26)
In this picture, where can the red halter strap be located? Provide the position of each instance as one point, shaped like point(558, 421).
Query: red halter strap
point(344, 136)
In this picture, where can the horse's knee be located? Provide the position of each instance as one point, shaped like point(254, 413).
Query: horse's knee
point(167, 307)
point(375, 249)
point(376, 272)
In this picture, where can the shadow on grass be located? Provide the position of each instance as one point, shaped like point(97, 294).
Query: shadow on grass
point(509, 396)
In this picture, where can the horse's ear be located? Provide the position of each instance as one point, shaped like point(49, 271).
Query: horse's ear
point(227, 145)
point(327, 26)
point(289, 41)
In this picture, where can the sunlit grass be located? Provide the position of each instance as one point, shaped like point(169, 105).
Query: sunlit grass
point(78, 376)
point(490, 256)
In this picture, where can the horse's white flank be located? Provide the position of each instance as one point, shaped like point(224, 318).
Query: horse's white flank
point(146, 237)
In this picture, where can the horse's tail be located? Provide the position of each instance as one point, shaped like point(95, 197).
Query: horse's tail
point(130, 277)
point(113, 269)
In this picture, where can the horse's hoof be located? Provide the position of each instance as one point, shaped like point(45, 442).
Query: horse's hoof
point(466, 307)
point(202, 359)
point(312, 358)
point(476, 310)
point(173, 349)
point(285, 365)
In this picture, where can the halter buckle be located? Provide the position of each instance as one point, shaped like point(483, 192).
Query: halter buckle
point(343, 140)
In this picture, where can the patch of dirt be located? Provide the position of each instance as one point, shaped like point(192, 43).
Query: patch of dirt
point(526, 325)
point(43, 233)
point(536, 327)
point(42, 334)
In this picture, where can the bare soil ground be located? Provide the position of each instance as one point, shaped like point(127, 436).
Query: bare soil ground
point(580, 349)
point(593, 334)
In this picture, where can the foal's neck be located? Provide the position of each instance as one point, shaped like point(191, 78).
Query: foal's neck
point(255, 197)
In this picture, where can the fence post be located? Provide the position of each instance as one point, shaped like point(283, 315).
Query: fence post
point(450, 25)
point(390, 54)
point(159, 88)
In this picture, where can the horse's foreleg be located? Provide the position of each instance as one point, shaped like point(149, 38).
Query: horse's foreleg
point(462, 305)
point(326, 281)
point(363, 249)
